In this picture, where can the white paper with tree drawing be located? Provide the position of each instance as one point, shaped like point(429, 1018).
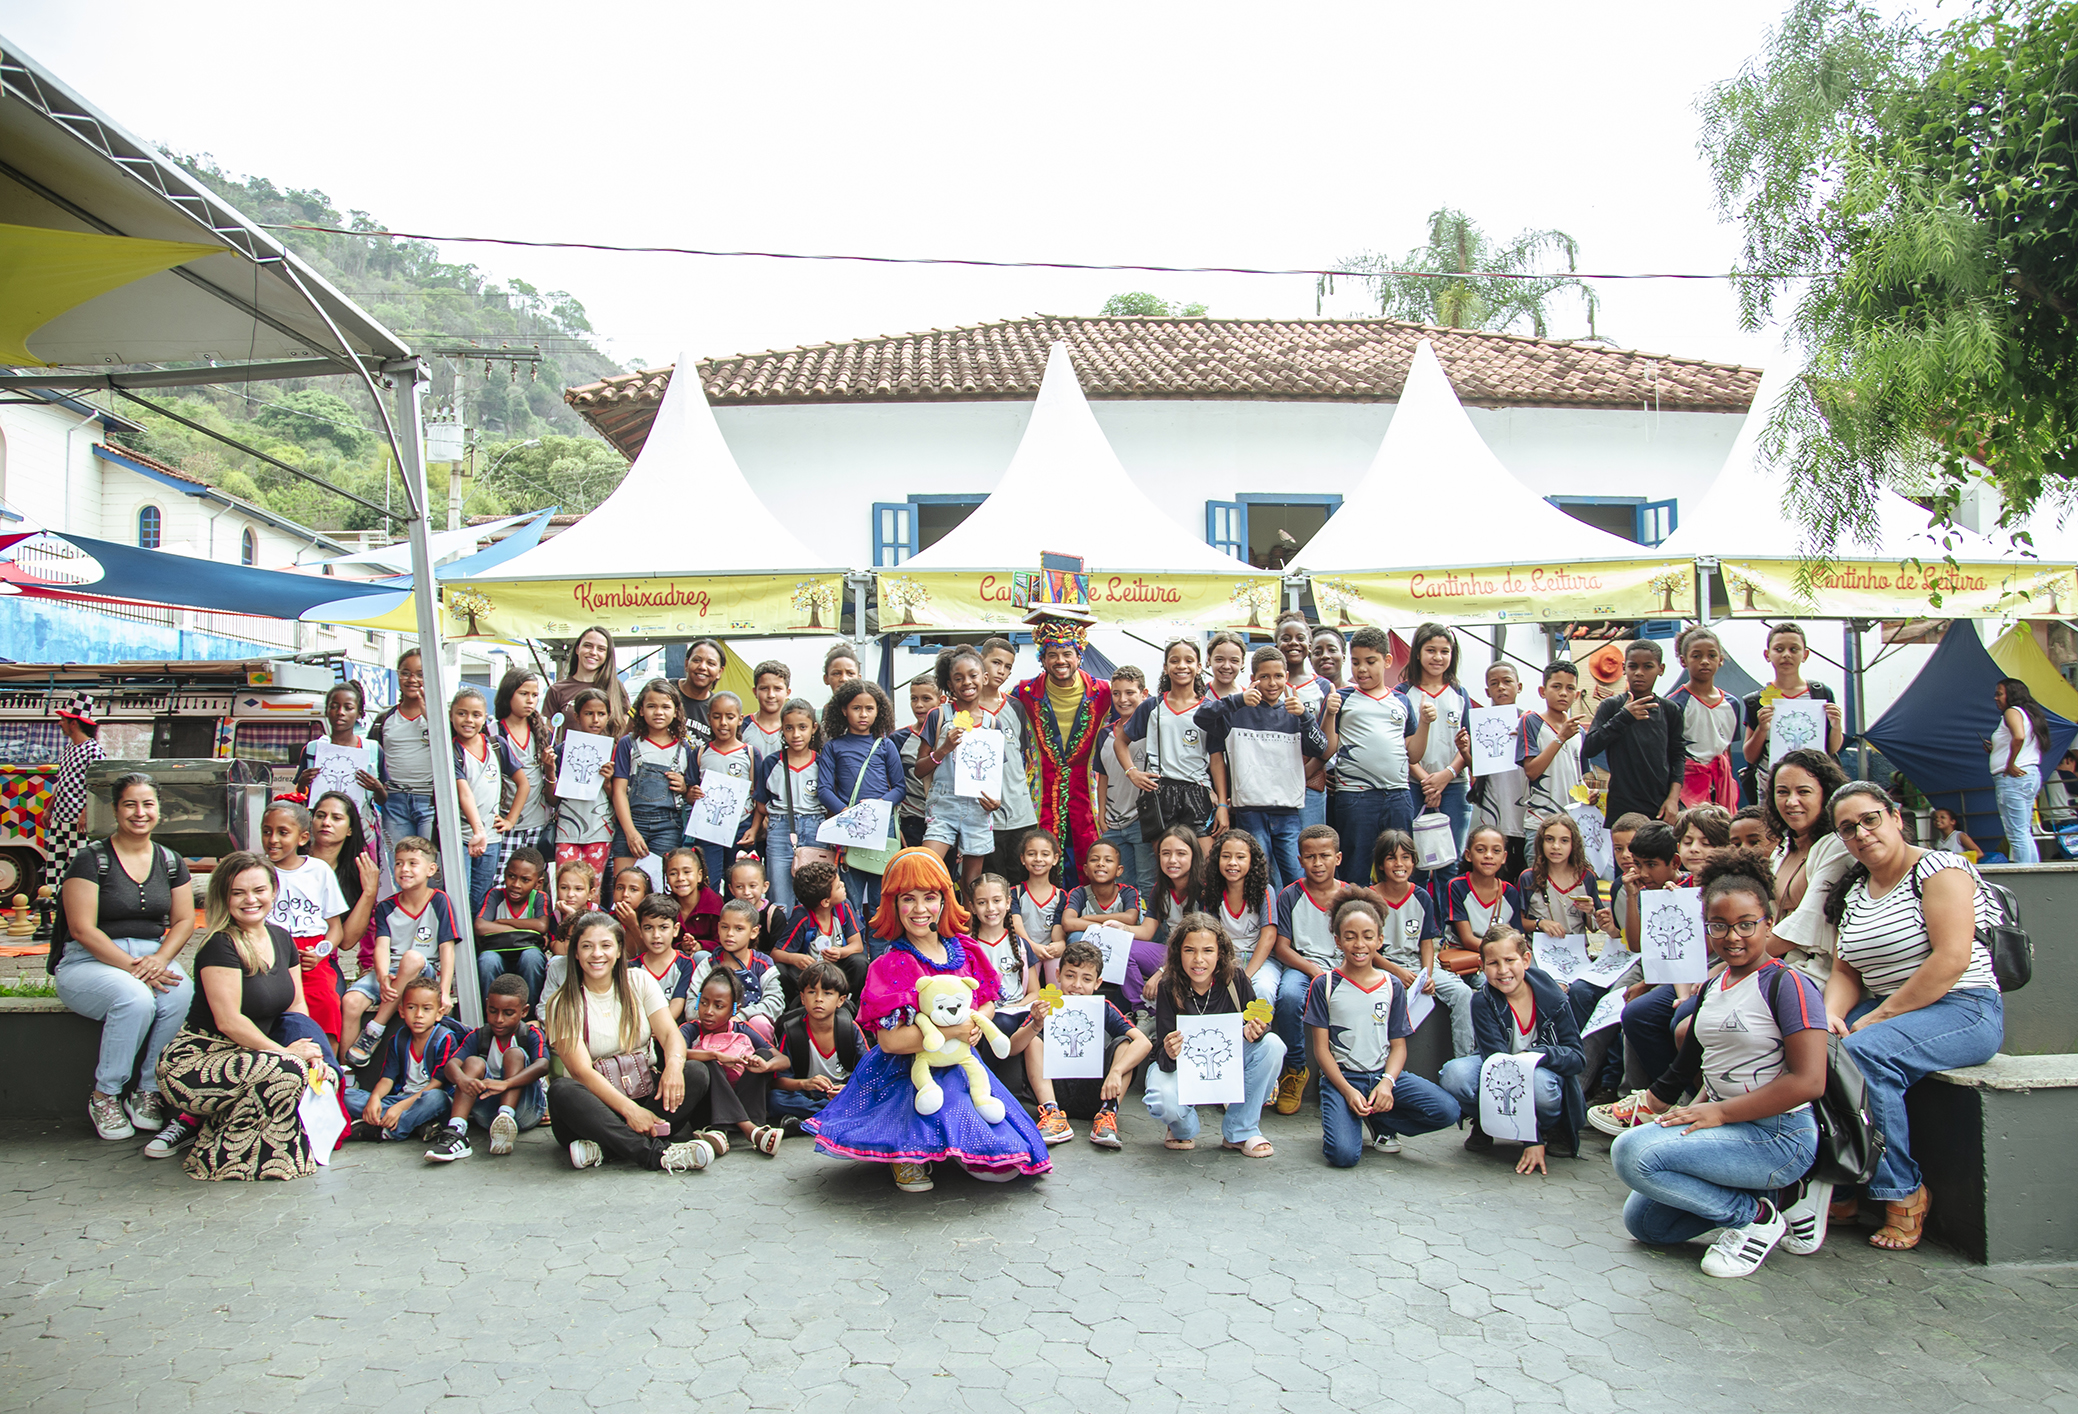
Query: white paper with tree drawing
point(1419, 1004)
point(717, 816)
point(863, 826)
point(1075, 1039)
point(1798, 723)
point(1493, 730)
point(1116, 943)
point(1594, 840)
point(1208, 1068)
point(336, 766)
point(977, 764)
point(1609, 968)
point(1608, 1011)
point(1670, 927)
point(1508, 1096)
point(578, 763)
point(1564, 958)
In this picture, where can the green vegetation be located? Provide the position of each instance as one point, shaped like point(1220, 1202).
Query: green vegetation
point(1153, 306)
point(1462, 278)
point(1908, 197)
point(325, 425)
point(28, 985)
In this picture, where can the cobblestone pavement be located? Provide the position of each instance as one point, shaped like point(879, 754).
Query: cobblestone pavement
point(1430, 1280)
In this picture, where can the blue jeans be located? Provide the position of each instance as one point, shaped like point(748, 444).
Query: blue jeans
point(662, 828)
point(1242, 1121)
point(1456, 809)
point(1290, 1001)
point(1419, 1107)
point(1963, 1028)
point(527, 1107)
point(1360, 817)
point(530, 963)
point(1277, 831)
point(1460, 1081)
point(407, 812)
point(779, 854)
point(1135, 856)
point(1315, 810)
point(1684, 1184)
point(426, 1105)
point(800, 1104)
point(1648, 1028)
point(483, 877)
point(133, 1017)
point(862, 892)
point(2016, 796)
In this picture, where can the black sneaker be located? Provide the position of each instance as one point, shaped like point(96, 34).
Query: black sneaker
point(177, 1135)
point(1478, 1141)
point(361, 1131)
point(429, 1131)
point(450, 1144)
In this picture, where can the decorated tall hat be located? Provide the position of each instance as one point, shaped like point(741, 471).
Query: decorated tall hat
point(1056, 597)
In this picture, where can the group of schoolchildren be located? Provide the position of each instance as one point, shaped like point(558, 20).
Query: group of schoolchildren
point(1258, 844)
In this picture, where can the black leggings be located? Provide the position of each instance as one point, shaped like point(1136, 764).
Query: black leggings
point(576, 1113)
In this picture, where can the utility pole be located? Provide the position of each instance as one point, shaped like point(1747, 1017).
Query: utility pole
point(454, 468)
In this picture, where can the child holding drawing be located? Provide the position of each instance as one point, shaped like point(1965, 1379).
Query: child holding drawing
point(726, 756)
point(953, 821)
point(584, 828)
point(1522, 1009)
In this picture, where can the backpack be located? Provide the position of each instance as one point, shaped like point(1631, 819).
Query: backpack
point(2012, 950)
point(61, 931)
point(1849, 1141)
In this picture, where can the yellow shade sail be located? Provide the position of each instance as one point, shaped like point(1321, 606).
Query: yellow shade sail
point(44, 273)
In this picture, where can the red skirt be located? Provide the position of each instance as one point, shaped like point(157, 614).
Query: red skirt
point(321, 993)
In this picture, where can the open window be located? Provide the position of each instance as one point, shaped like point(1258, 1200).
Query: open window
point(1631, 517)
point(1256, 525)
point(902, 528)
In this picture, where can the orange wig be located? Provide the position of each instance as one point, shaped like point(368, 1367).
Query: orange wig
point(910, 871)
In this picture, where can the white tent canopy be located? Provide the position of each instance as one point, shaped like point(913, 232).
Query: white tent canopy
point(1743, 516)
point(445, 544)
point(684, 508)
point(1434, 471)
point(1063, 471)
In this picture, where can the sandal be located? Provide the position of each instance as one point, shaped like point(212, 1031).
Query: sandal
point(1256, 1148)
point(765, 1139)
point(1844, 1210)
point(1903, 1222)
point(1179, 1143)
point(715, 1137)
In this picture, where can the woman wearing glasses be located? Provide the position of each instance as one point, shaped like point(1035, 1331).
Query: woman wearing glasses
point(1912, 989)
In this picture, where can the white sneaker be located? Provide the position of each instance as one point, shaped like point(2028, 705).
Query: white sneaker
point(146, 1110)
point(1386, 1143)
point(106, 1111)
point(584, 1154)
point(504, 1133)
point(688, 1157)
point(1804, 1221)
point(1739, 1251)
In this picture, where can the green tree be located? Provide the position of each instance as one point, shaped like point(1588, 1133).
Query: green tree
point(309, 416)
point(1908, 196)
point(1461, 278)
point(1152, 306)
point(573, 474)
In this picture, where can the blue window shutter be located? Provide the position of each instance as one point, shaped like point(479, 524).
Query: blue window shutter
point(894, 532)
point(1656, 521)
point(1226, 527)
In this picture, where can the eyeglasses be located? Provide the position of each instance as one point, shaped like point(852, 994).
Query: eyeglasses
point(1745, 928)
point(1865, 823)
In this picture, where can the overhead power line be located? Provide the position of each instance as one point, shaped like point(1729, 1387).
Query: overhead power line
point(1037, 264)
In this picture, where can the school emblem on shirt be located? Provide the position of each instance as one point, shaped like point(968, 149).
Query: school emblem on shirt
point(1410, 929)
point(1382, 1009)
point(1191, 736)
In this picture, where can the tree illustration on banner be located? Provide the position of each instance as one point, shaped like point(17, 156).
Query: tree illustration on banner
point(816, 597)
point(1339, 596)
point(469, 604)
point(1740, 587)
point(1667, 584)
point(1257, 596)
point(905, 596)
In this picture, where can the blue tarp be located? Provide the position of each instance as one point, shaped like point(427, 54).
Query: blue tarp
point(1935, 731)
point(155, 577)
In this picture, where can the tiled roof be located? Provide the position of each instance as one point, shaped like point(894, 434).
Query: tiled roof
point(154, 463)
point(1272, 360)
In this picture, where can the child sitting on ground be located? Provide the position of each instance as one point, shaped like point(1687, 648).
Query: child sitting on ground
point(630, 887)
point(718, 1037)
point(577, 893)
point(746, 880)
point(686, 878)
point(1522, 1009)
point(1356, 1027)
point(513, 924)
point(759, 997)
point(821, 1043)
point(1082, 969)
point(418, 1053)
point(823, 928)
point(656, 934)
point(1017, 973)
point(1104, 899)
point(415, 933)
point(499, 1077)
point(1750, 829)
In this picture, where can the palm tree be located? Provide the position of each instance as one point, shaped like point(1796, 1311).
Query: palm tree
point(1463, 279)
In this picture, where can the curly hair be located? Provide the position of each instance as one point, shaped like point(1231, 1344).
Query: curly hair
point(1255, 884)
point(1823, 768)
point(836, 724)
point(908, 872)
point(1738, 871)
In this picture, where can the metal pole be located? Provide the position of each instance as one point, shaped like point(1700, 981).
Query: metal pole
point(1857, 696)
point(410, 380)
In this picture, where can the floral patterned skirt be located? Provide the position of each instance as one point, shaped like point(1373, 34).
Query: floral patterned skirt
point(246, 1102)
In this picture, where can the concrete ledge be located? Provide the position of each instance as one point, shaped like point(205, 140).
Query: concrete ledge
point(1997, 1143)
point(47, 1057)
point(2020, 1073)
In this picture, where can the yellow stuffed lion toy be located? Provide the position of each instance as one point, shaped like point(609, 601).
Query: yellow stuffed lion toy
point(946, 1004)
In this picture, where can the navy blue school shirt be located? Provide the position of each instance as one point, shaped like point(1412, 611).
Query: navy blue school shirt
point(532, 1044)
point(1645, 758)
point(1468, 907)
point(837, 770)
point(1266, 749)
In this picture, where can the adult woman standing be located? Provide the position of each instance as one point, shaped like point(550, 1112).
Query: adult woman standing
point(224, 1067)
point(591, 663)
point(130, 910)
point(1809, 858)
point(1912, 989)
point(602, 1023)
point(2016, 765)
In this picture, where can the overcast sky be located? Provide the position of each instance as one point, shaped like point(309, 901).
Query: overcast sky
point(1274, 135)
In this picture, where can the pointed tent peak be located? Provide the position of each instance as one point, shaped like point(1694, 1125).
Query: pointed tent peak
point(1432, 469)
point(1063, 466)
point(684, 508)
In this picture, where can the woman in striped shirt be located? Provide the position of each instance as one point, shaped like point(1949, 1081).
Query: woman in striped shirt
point(1912, 989)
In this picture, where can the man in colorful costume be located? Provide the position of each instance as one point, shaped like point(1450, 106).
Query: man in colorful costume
point(1065, 707)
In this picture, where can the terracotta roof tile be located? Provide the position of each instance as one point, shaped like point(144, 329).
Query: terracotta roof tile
point(1282, 360)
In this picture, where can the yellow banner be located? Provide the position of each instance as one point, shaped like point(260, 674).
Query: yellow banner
point(969, 601)
point(643, 609)
point(1498, 594)
point(1889, 589)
